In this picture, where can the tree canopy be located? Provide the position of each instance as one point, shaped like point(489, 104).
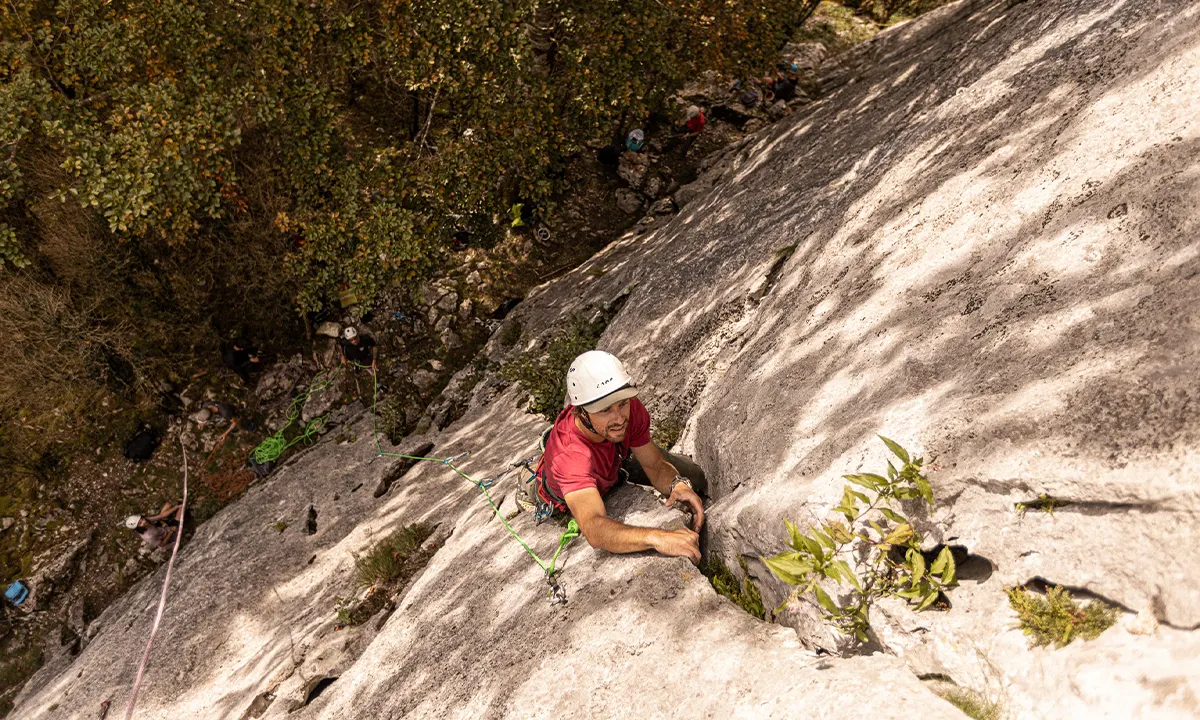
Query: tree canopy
point(354, 130)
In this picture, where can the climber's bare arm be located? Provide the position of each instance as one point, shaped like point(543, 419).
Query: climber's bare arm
point(661, 473)
point(604, 533)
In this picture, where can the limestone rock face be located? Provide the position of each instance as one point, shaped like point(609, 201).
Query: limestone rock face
point(981, 243)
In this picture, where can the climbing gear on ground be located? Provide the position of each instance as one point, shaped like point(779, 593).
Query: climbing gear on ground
point(350, 333)
point(16, 593)
point(269, 450)
point(132, 521)
point(557, 593)
point(596, 380)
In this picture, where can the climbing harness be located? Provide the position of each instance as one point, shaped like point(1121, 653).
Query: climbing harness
point(556, 592)
point(162, 599)
point(272, 447)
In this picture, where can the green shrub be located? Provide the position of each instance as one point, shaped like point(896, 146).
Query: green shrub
point(543, 372)
point(511, 334)
point(395, 557)
point(744, 594)
point(1057, 618)
point(883, 543)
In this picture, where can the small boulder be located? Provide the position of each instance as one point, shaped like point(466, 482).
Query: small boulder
point(632, 168)
point(663, 206)
point(329, 329)
point(653, 187)
point(629, 201)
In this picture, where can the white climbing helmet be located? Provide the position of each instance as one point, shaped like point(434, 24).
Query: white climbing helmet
point(132, 521)
point(350, 333)
point(596, 380)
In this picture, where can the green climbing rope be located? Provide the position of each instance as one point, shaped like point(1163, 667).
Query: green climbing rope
point(565, 539)
point(272, 447)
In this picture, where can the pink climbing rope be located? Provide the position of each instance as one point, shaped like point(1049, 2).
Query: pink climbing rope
point(162, 600)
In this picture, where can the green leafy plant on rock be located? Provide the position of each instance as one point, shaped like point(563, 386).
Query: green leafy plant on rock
point(882, 543)
point(1057, 618)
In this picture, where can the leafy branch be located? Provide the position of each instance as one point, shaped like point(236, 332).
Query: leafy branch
point(883, 544)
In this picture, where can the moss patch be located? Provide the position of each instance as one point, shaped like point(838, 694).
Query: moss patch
point(743, 593)
point(1057, 618)
point(666, 431)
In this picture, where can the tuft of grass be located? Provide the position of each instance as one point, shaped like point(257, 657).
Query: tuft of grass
point(1057, 619)
point(543, 372)
point(1044, 503)
point(393, 558)
point(743, 593)
point(280, 526)
point(972, 704)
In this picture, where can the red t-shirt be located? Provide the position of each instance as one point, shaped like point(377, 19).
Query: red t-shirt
point(572, 462)
point(697, 123)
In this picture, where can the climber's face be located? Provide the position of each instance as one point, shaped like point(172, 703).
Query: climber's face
point(613, 421)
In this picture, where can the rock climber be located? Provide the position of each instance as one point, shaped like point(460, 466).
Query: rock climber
point(693, 125)
point(239, 357)
point(635, 141)
point(157, 530)
point(358, 350)
point(600, 438)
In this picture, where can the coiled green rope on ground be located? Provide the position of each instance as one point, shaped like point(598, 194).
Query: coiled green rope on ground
point(272, 447)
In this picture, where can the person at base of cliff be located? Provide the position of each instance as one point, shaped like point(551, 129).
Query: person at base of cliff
point(239, 357)
point(219, 412)
point(601, 437)
point(157, 530)
point(693, 124)
point(358, 350)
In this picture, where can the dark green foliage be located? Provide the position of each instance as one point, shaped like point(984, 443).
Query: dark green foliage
point(395, 558)
point(1057, 619)
point(542, 372)
point(511, 334)
point(15, 669)
point(743, 593)
point(883, 544)
point(390, 420)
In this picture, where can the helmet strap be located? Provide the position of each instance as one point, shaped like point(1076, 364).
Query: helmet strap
point(586, 420)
